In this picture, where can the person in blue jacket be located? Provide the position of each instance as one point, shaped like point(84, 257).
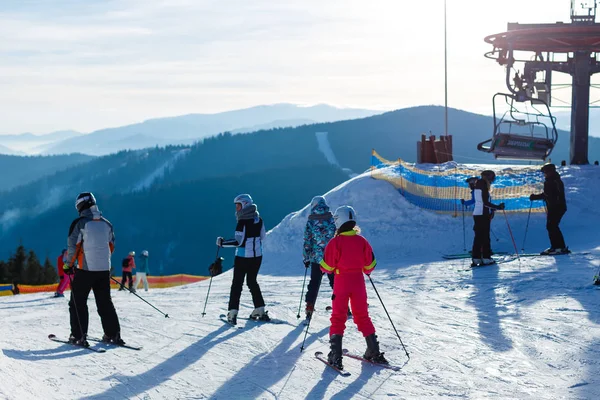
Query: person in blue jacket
point(142, 271)
point(471, 182)
point(319, 230)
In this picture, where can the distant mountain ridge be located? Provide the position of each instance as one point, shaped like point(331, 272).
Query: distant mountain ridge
point(189, 128)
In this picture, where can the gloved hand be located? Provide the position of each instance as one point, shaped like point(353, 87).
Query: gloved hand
point(306, 264)
point(501, 206)
point(68, 269)
point(220, 241)
point(462, 201)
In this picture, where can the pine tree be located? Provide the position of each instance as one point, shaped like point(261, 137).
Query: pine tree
point(50, 275)
point(34, 272)
point(4, 272)
point(17, 263)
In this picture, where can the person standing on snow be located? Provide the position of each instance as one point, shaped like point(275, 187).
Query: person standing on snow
point(63, 280)
point(556, 206)
point(249, 236)
point(320, 229)
point(481, 252)
point(90, 246)
point(128, 266)
point(348, 255)
point(471, 182)
point(142, 271)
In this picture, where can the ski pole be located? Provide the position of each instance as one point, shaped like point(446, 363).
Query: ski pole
point(209, 285)
point(512, 237)
point(493, 234)
point(83, 334)
point(390, 318)
point(464, 234)
point(139, 297)
point(306, 332)
point(527, 226)
point(302, 294)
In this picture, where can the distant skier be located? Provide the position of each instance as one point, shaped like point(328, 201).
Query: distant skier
point(472, 181)
point(249, 236)
point(142, 271)
point(63, 280)
point(319, 230)
point(348, 255)
point(556, 206)
point(90, 246)
point(481, 252)
point(128, 265)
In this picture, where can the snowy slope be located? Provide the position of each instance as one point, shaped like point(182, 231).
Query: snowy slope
point(527, 330)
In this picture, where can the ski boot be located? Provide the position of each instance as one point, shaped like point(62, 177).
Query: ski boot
point(81, 341)
point(114, 339)
point(373, 354)
point(259, 314)
point(310, 308)
point(488, 261)
point(335, 355)
point(475, 262)
point(58, 294)
point(554, 252)
point(232, 317)
point(596, 280)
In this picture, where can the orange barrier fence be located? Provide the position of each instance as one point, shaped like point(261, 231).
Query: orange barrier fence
point(153, 281)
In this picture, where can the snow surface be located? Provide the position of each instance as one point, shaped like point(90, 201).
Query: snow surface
point(518, 330)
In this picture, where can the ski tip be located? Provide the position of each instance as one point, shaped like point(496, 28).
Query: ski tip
point(318, 353)
point(51, 336)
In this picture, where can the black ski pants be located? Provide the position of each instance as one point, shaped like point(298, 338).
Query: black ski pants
point(245, 268)
point(316, 275)
point(481, 241)
point(83, 283)
point(557, 241)
point(127, 275)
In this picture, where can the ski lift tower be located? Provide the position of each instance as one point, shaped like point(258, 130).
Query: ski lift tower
point(570, 48)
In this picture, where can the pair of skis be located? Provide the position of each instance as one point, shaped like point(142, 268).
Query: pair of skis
point(223, 318)
point(321, 357)
point(54, 338)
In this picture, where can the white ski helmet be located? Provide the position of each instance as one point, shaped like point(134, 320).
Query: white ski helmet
point(342, 215)
point(244, 199)
point(145, 253)
point(132, 253)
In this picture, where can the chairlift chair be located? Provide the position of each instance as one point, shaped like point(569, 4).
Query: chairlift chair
point(521, 135)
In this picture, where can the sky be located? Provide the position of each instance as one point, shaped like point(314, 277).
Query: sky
point(68, 64)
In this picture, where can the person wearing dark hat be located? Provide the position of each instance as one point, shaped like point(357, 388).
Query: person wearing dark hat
point(90, 245)
point(556, 206)
point(481, 252)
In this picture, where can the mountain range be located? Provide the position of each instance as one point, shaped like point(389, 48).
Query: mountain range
point(185, 129)
point(174, 200)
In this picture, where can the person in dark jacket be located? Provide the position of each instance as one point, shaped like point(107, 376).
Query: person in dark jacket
point(481, 252)
point(249, 236)
point(556, 206)
point(90, 245)
point(319, 230)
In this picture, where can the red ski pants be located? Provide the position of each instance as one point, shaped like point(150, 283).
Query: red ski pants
point(350, 286)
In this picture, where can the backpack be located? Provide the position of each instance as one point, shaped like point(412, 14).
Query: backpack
point(125, 262)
